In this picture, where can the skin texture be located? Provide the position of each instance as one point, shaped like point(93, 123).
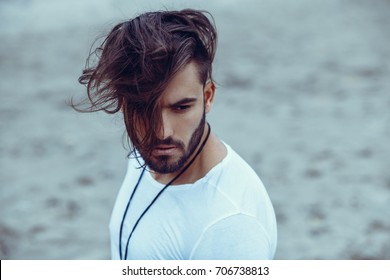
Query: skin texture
point(184, 103)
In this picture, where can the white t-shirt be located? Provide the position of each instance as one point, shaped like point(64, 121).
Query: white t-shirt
point(225, 215)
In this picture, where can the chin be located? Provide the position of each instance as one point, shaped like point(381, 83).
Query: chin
point(165, 165)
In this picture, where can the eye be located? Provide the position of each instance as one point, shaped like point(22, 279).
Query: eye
point(181, 108)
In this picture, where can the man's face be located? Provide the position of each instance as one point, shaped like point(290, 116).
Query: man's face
point(184, 104)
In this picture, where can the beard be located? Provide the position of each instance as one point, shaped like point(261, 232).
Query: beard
point(167, 164)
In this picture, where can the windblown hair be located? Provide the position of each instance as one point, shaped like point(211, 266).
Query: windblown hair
point(137, 60)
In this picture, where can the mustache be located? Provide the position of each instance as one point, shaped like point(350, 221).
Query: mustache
point(169, 141)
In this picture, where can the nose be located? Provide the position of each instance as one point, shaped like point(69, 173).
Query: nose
point(166, 127)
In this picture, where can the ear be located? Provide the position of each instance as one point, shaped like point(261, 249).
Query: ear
point(208, 93)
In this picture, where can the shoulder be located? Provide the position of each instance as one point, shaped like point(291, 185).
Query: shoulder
point(238, 236)
point(235, 167)
point(237, 179)
point(239, 190)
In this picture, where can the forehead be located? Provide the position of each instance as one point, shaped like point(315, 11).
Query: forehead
point(185, 84)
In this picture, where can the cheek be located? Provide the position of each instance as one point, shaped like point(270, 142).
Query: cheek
point(196, 116)
point(189, 122)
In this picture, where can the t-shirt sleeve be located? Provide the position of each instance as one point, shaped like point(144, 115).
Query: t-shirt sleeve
point(237, 237)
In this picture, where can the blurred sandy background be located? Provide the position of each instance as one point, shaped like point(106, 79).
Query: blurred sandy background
point(303, 96)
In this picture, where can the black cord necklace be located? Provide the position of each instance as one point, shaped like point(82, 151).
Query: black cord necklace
point(151, 203)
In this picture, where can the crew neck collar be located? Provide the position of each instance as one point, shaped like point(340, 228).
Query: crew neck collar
point(205, 178)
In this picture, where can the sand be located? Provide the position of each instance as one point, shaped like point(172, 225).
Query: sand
point(303, 96)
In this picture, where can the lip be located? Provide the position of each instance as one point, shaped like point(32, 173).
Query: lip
point(164, 150)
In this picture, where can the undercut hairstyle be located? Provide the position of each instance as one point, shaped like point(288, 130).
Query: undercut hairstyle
point(136, 61)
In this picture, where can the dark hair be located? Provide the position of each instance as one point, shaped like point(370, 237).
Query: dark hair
point(137, 60)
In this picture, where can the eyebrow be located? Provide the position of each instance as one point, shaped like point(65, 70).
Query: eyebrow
point(183, 101)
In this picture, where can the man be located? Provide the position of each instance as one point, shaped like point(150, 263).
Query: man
point(186, 194)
